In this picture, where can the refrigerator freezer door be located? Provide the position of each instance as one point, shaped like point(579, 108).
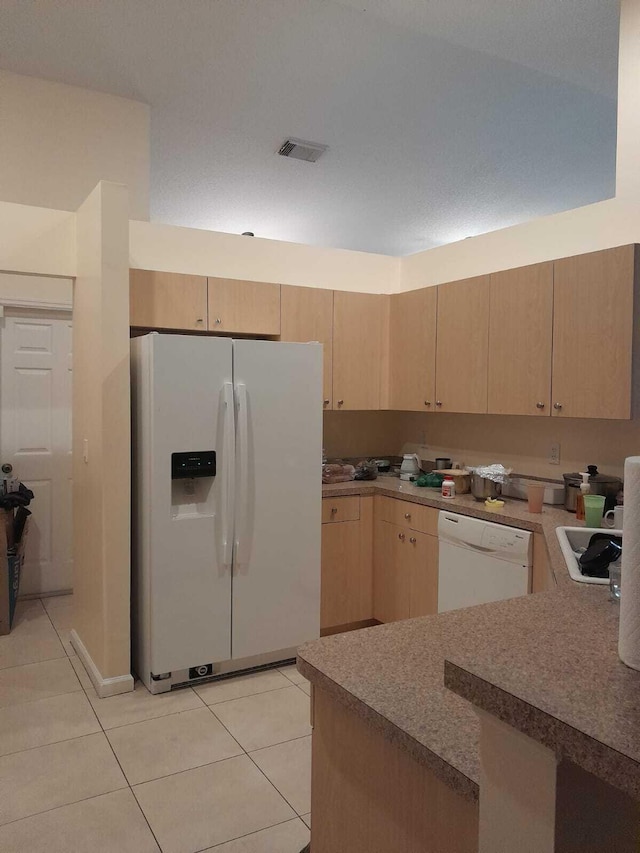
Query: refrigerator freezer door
point(276, 576)
point(187, 570)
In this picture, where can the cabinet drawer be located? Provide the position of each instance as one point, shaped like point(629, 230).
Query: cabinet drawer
point(341, 509)
point(412, 516)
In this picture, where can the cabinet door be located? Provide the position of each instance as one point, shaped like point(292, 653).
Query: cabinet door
point(358, 322)
point(244, 307)
point(392, 573)
point(166, 300)
point(307, 315)
point(347, 581)
point(592, 334)
point(462, 346)
point(520, 339)
point(422, 552)
point(412, 350)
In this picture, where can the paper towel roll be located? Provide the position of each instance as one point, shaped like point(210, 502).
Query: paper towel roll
point(629, 635)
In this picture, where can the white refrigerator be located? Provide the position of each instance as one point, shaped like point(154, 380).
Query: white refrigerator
point(227, 449)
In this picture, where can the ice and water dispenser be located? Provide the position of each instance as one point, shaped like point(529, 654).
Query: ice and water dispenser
point(192, 474)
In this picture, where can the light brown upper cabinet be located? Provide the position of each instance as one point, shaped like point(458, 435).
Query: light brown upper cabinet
point(165, 300)
point(244, 307)
point(307, 315)
point(463, 345)
point(520, 335)
point(358, 349)
point(593, 334)
point(412, 350)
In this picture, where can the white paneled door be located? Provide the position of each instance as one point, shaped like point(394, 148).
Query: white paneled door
point(35, 437)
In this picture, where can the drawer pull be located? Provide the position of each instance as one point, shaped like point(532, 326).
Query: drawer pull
point(413, 540)
point(401, 537)
point(407, 515)
point(334, 510)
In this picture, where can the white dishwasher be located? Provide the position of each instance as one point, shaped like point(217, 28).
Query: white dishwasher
point(480, 561)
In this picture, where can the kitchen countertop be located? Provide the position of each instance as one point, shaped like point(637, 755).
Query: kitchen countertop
point(545, 663)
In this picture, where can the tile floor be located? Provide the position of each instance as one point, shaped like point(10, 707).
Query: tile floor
point(222, 767)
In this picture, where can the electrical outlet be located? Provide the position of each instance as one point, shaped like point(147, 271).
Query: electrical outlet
point(554, 454)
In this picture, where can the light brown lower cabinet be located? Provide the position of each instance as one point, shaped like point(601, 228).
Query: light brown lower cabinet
point(347, 585)
point(370, 796)
point(405, 575)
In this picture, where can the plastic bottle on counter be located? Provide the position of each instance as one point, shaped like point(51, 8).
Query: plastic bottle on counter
point(585, 489)
point(448, 488)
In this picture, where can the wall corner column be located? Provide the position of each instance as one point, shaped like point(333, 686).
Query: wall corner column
point(101, 440)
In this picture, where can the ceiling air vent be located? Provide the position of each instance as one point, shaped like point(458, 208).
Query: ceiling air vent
point(299, 149)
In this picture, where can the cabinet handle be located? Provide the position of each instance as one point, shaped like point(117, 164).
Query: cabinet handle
point(427, 402)
point(438, 402)
point(326, 402)
point(199, 321)
point(334, 510)
point(413, 540)
point(407, 515)
point(340, 402)
point(540, 405)
point(401, 537)
point(218, 321)
point(557, 406)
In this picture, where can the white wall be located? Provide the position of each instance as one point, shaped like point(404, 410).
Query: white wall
point(614, 222)
point(58, 141)
point(37, 240)
point(198, 252)
point(627, 163)
point(22, 288)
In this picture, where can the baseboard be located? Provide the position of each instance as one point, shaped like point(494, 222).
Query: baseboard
point(350, 626)
point(104, 686)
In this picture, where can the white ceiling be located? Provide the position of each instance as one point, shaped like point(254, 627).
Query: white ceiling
point(444, 118)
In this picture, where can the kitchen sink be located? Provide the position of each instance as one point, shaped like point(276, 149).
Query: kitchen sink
point(574, 540)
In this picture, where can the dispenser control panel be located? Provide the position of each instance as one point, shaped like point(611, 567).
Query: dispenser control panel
point(196, 463)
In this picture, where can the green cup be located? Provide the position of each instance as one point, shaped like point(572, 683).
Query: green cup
point(593, 509)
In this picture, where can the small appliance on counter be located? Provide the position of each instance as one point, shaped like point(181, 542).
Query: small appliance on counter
point(599, 484)
point(410, 468)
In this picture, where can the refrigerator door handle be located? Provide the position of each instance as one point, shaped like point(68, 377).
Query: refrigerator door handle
point(229, 456)
point(242, 497)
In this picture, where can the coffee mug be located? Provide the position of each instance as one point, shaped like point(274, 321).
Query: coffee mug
point(613, 518)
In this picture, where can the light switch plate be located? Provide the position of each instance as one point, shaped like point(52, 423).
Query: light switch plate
point(554, 454)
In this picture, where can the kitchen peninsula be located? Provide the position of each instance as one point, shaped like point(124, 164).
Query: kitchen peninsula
point(397, 740)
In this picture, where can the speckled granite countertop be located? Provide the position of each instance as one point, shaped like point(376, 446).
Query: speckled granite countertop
point(527, 660)
point(548, 665)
